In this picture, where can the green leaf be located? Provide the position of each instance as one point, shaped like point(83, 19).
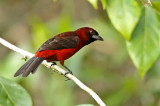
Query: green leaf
point(124, 15)
point(12, 94)
point(94, 3)
point(144, 48)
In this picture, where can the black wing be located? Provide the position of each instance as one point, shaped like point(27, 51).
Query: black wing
point(62, 41)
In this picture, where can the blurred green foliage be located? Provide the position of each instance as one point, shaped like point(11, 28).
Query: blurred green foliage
point(124, 15)
point(13, 94)
point(104, 66)
point(144, 47)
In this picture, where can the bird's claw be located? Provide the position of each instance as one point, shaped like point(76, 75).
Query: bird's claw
point(53, 63)
point(69, 72)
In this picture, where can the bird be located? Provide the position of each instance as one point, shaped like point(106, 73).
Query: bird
point(59, 48)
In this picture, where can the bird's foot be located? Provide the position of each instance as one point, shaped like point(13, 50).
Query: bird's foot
point(69, 72)
point(53, 63)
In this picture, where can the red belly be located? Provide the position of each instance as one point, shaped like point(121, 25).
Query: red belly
point(56, 55)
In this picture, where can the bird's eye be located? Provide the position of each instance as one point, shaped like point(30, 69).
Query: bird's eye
point(91, 31)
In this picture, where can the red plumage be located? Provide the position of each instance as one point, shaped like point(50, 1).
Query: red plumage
point(60, 48)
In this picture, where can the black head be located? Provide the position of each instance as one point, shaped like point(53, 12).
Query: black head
point(89, 34)
point(93, 36)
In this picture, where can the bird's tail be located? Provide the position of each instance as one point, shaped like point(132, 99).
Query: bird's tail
point(30, 66)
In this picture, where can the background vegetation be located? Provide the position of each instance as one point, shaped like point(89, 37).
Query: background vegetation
point(115, 68)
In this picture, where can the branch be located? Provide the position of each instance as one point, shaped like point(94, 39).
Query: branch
point(148, 3)
point(55, 67)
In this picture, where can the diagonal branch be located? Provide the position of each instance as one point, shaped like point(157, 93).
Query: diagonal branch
point(55, 67)
point(146, 3)
point(149, 2)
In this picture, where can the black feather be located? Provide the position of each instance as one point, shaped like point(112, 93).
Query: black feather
point(61, 41)
point(30, 66)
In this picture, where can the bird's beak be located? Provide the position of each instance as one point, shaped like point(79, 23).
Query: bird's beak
point(97, 37)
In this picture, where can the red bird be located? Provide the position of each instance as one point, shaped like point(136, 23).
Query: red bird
point(60, 48)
